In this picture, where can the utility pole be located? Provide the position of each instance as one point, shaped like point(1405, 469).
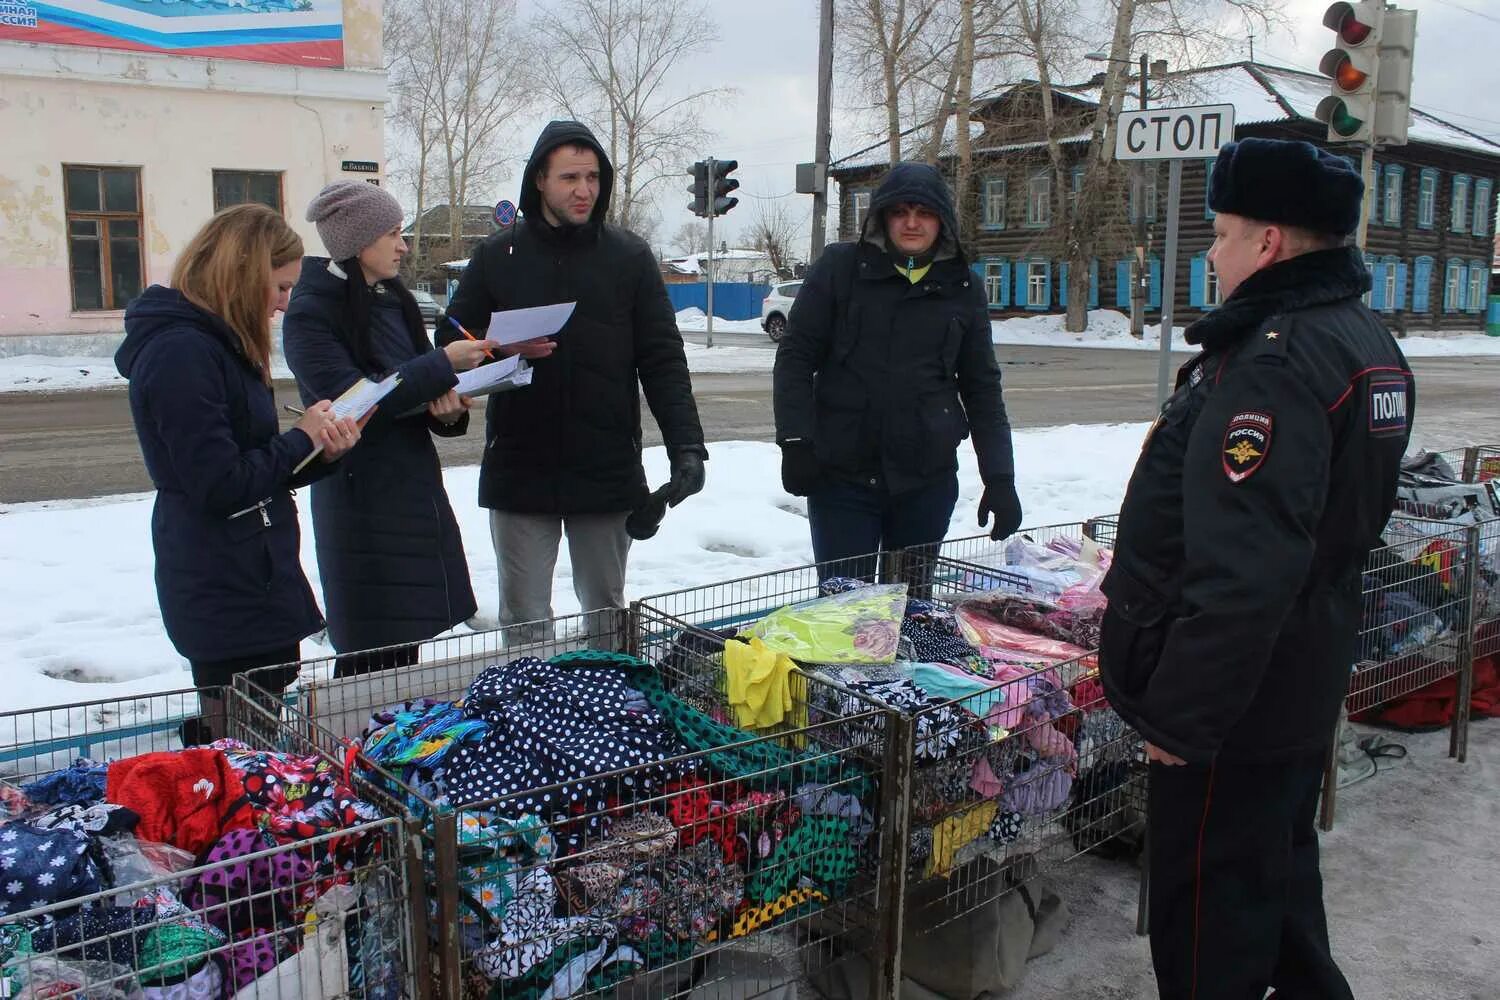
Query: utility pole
point(824, 139)
point(1138, 288)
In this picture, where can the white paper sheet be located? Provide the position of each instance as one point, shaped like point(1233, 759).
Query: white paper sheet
point(487, 378)
point(515, 325)
point(363, 395)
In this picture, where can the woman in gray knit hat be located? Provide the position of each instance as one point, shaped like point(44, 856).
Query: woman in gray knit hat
point(389, 550)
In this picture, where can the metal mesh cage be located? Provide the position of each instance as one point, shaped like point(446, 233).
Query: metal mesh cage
point(1415, 612)
point(653, 878)
point(950, 828)
point(273, 915)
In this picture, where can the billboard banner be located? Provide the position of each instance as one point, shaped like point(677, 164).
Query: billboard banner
point(292, 32)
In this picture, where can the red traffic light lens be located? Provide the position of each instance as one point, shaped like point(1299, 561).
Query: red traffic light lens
point(1353, 31)
point(1348, 76)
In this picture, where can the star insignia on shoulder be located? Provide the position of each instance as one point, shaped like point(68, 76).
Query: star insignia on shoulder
point(1272, 335)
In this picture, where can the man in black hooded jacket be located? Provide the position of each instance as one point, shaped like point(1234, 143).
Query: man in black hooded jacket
point(886, 366)
point(564, 454)
point(1234, 596)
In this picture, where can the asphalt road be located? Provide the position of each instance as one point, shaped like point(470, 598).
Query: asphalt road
point(81, 444)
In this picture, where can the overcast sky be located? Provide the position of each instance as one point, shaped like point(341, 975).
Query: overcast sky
point(767, 51)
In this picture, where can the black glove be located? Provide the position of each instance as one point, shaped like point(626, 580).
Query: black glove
point(645, 519)
point(1000, 500)
point(799, 468)
point(687, 476)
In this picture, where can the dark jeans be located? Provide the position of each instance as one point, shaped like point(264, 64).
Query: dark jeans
point(1236, 895)
point(851, 522)
point(358, 664)
point(212, 674)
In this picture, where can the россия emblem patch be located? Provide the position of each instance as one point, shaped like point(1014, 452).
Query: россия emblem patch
point(1246, 444)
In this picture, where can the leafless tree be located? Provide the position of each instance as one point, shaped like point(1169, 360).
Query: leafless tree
point(1047, 33)
point(887, 46)
point(775, 231)
point(691, 238)
point(461, 86)
point(609, 63)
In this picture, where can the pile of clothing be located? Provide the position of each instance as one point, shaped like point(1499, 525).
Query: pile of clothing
point(608, 825)
point(115, 837)
point(1011, 727)
point(1414, 596)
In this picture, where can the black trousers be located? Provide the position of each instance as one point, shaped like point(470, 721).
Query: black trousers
point(1236, 895)
point(358, 664)
point(209, 674)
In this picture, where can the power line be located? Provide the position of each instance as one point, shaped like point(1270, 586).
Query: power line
point(1468, 10)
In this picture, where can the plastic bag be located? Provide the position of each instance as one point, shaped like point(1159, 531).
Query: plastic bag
point(857, 626)
point(132, 860)
point(41, 977)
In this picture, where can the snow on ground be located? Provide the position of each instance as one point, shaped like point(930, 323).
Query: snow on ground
point(694, 320)
point(727, 360)
point(1110, 330)
point(81, 618)
point(48, 373)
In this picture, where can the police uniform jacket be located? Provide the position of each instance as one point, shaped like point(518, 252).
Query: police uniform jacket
point(1234, 596)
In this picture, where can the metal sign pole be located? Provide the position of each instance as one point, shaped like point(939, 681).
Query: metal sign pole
point(711, 213)
point(1169, 282)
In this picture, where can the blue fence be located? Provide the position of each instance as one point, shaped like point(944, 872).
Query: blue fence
point(732, 299)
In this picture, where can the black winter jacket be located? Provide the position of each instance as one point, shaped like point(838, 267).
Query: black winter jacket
point(886, 377)
point(224, 528)
point(390, 554)
point(1234, 597)
point(570, 443)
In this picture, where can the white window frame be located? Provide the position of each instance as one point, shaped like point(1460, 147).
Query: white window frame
point(1459, 223)
point(1456, 276)
point(1478, 278)
point(859, 207)
point(1037, 278)
point(1427, 199)
point(994, 283)
point(1211, 296)
point(1481, 197)
point(993, 218)
point(1391, 287)
point(1390, 204)
point(1039, 199)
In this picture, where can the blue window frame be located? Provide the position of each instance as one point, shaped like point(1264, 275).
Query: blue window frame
point(1421, 285)
point(1123, 269)
point(1062, 278)
point(1203, 283)
point(1039, 199)
point(1455, 286)
point(1208, 173)
point(1033, 284)
point(993, 274)
point(1477, 296)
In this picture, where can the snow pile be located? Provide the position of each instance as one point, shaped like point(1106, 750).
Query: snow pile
point(694, 320)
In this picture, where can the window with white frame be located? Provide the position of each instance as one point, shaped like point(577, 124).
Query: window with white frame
point(1037, 280)
point(1453, 293)
point(1039, 199)
point(1484, 204)
point(1477, 280)
point(1210, 283)
point(994, 202)
point(859, 202)
point(1460, 221)
point(994, 282)
point(1391, 288)
point(1427, 199)
point(1143, 193)
point(1391, 195)
point(1075, 188)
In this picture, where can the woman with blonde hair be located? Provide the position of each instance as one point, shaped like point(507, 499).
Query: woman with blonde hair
point(224, 527)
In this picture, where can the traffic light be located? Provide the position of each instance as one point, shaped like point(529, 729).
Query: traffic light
point(699, 189)
point(1349, 111)
point(723, 184)
point(1398, 40)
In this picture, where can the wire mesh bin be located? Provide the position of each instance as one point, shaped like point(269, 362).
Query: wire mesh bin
point(591, 823)
point(180, 884)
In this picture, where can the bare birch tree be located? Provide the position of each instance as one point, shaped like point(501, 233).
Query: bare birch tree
point(891, 47)
point(691, 238)
point(609, 63)
point(462, 85)
point(775, 231)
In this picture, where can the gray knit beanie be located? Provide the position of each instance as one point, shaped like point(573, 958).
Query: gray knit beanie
point(350, 215)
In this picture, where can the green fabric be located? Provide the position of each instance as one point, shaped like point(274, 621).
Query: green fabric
point(179, 949)
point(820, 848)
point(658, 951)
point(854, 626)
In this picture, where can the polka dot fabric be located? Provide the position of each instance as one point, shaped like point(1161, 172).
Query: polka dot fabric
point(558, 723)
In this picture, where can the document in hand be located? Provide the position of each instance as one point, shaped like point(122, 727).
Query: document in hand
point(497, 376)
point(515, 325)
point(356, 403)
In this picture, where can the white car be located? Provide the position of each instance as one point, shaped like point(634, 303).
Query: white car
point(776, 307)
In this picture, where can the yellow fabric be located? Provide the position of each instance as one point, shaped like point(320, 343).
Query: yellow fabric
point(916, 274)
point(753, 918)
point(956, 832)
point(758, 682)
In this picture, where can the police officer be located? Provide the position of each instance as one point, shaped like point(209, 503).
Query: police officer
point(1234, 597)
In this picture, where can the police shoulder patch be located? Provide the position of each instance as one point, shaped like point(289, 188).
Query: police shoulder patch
point(1388, 405)
point(1247, 442)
